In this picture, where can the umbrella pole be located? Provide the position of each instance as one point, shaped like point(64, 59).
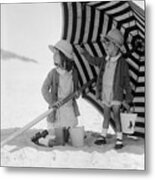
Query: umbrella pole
point(42, 116)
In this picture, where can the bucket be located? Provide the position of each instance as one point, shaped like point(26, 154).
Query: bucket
point(77, 136)
point(128, 122)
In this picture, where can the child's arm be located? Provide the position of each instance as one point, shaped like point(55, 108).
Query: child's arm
point(91, 60)
point(46, 88)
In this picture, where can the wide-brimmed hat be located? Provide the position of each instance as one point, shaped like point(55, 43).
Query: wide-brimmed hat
point(114, 36)
point(64, 46)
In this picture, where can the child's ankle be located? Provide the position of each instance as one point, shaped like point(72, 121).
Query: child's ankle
point(119, 135)
point(104, 132)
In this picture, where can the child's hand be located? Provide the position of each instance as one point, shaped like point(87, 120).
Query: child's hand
point(126, 105)
point(58, 104)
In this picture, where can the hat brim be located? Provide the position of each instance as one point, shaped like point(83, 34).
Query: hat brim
point(54, 49)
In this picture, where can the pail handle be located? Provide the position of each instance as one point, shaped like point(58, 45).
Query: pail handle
point(124, 108)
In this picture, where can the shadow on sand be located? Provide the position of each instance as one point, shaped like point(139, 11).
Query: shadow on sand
point(133, 146)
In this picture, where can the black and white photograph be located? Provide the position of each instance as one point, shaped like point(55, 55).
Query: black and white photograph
point(73, 85)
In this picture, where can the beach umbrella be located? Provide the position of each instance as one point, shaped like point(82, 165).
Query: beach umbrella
point(84, 22)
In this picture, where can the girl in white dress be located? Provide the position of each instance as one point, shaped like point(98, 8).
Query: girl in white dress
point(60, 82)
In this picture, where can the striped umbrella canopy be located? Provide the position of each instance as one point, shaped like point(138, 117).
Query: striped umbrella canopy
point(84, 22)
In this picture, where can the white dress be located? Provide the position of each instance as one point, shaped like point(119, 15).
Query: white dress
point(65, 116)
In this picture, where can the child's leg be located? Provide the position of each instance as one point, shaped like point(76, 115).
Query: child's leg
point(119, 135)
point(106, 120)
point(51, 118)
point(50, 127)
point(102, 138)
point(116, 111)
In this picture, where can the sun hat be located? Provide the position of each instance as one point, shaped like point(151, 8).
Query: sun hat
point(64, 46)
point(114, 36)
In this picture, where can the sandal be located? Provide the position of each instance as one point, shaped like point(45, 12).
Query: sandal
point(39, 135)
point(100, 140)
point(119, 144)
